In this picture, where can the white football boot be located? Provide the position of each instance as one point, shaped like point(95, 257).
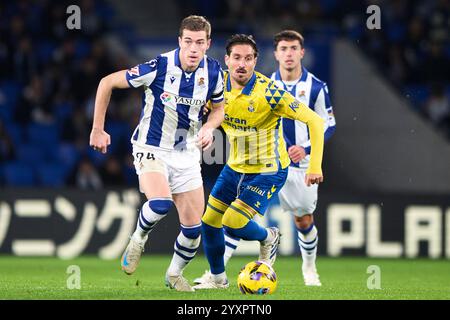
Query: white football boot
point(132, 256)
point(211, 284)
point(204, 278)
point(179, 283)
point(268, 249)
point(310, 276)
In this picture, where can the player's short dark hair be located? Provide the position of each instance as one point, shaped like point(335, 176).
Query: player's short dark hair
point(288, 35)
point(195, 23)
point(241, 39)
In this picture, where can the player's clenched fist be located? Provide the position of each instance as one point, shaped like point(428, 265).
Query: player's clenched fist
point(296, 153)
point(205, 137)
point(313, 178)
point(99, 140)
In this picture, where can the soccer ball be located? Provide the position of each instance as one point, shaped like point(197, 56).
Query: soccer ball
point(257, 277)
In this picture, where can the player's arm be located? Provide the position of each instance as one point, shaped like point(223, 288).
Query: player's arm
point(99, 139)
point(215, 118)
point(289, 107)
point(142, 74)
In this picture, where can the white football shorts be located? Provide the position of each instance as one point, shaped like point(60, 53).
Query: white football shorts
point(181, 168)
point(295, 196)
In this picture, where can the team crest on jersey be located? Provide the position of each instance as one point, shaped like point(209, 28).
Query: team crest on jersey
point(165, 97)
point(201, 81)
point(134, 71)
point(251, 108)
point(301, 94)
point(294, 105)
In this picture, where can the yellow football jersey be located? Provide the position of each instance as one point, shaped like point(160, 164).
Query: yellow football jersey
point(253, 126)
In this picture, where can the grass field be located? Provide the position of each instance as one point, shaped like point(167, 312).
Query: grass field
point(342, 278)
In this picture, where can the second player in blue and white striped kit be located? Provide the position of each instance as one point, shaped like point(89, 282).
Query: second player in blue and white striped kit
point(167, 141)
point(295, 196)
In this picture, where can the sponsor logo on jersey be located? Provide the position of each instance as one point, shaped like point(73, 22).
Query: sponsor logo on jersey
point(251, 108)
point(256, 190)
point(167, 97)
point(271, 191)
point(294, 105)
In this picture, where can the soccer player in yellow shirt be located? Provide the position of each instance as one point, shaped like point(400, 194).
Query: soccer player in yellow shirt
point(258, 163)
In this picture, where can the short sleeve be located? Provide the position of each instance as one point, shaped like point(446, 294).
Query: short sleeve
point(142, 74)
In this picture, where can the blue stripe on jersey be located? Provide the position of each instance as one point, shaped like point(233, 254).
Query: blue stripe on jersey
point(289, 135)
point(316, 86)
point(187, 91)
point(157, 117)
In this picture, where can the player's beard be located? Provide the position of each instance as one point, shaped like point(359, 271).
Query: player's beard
point(239, 80)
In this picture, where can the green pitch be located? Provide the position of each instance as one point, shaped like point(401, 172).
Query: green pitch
point(342, 278)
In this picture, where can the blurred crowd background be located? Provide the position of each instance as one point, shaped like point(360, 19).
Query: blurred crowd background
point(49, 74)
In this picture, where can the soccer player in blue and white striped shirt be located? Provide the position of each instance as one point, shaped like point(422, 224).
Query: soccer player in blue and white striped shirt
point(167, 140)
point(295, 196)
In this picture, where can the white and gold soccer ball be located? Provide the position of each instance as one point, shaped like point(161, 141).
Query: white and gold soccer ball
point(257, 277)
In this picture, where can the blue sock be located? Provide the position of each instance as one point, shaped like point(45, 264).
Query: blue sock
point(214, 246)
point(251, 231)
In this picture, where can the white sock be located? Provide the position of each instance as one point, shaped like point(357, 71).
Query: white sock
point(307, 241)
point(230, 247)
point(185, 249)
point(146, 222)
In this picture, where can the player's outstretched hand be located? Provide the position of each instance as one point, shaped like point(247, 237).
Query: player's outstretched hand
point(313, 178)
point(205, 137)
point(99, 140)
point(296, 153)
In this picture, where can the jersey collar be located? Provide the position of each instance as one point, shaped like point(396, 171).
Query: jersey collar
point(302, 78)
point(247, 90)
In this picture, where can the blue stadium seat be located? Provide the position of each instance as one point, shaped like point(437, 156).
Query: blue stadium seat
point(68, 155)
point(17, 174)
point(43, 134)
point(10, 90)
point(15, 132)
point(119, 133)
point(96, 157)
point(5, 114)
point(63, 111)
point(51, 174)
point(30, 154)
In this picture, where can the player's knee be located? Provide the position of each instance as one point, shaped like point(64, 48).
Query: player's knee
point(304, 222)
point(212, 218)
point(160, 206)
point(234, 220)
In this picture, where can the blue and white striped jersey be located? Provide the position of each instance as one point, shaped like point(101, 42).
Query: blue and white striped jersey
point(173, 99)
point(313, 93)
